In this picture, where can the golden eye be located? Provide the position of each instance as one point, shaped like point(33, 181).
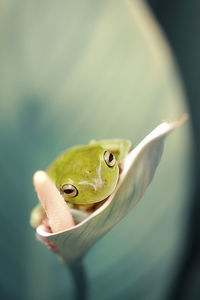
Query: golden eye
point(109, 159)
point(70, 190)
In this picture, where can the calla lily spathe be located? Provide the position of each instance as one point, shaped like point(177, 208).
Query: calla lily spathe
point(139, 169)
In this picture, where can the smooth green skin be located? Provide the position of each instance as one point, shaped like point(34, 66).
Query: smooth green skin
point(85, 168)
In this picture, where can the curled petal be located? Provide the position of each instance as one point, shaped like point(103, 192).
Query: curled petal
point(139, 169)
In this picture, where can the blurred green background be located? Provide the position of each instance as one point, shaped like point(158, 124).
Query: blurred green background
point(181, 23)
point(72, 71)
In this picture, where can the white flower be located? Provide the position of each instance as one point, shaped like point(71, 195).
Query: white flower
point(139, 169)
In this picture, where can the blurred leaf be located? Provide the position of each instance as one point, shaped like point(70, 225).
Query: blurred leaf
point(72, 71)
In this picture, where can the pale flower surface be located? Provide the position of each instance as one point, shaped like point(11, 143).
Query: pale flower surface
point(139, 169)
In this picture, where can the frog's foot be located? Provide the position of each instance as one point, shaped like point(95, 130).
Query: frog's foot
point(49, 244)
point(37, 216)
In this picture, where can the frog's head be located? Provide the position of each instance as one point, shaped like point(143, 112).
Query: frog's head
point(86, 174)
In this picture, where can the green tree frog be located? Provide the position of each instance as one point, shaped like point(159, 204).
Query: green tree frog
point(86, 175)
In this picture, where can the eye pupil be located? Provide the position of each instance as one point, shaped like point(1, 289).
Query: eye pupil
point(109, 159)
point(68, 191)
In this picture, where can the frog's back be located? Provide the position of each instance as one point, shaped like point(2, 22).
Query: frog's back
point(75, 161)
point(64, 159)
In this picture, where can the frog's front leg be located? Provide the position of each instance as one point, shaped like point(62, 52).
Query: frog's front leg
point(37, 216)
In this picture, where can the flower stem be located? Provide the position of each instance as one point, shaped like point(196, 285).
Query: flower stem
point(79, 275)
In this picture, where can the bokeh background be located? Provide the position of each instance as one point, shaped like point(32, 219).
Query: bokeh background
point(181, 24)
point(72, 71)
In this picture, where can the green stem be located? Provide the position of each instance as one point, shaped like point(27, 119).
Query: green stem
point(80, 280)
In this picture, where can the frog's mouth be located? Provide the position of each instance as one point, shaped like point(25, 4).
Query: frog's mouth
point(91, 207)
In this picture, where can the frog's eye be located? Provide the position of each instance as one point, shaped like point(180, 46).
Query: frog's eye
point(109, 159)
point(70, 190)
